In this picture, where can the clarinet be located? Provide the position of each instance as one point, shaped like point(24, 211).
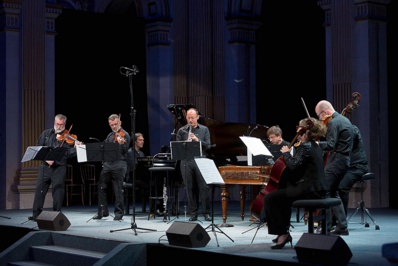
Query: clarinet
point(165, 199)
point(189, 133)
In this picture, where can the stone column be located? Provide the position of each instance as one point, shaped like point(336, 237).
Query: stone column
point(356, 62)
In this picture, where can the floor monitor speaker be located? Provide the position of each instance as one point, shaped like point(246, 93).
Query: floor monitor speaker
point(50, 220)
point(319, 248)
point(187, 234)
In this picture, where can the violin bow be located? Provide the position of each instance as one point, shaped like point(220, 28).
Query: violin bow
point(64, 138)
point(305, 107)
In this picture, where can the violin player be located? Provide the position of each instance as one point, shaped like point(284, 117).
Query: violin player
point(53, 172)
point(114, 171)
point(306, 180)
point(338, 144)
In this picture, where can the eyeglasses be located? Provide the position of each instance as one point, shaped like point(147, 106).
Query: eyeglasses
point(59, 125)
point(320, 114)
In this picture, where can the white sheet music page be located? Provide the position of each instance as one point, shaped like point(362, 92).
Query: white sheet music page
point(255, 146)
point(209, 171)
point(81, 153)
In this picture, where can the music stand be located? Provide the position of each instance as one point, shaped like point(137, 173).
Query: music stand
point(43, 153)
point(211, 176)
point(185, 150)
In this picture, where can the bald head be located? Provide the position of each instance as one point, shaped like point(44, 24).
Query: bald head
point(324, 108)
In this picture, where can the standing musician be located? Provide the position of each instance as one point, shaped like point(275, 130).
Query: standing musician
point(338, 143)
point(53, 172)
point(196, 186)
point(306, 180)
point(114, 171)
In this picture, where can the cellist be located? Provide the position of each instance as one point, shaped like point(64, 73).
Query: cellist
point(306, 180)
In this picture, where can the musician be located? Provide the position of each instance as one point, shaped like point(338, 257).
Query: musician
point(52, 172)
point(133, 153)
point(338, 143)
point(195, 185)
point(276, 142)
point(306, 180)
point(114, 171)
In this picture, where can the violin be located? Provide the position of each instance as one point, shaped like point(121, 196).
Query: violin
point(326, 119)
point(119, 135)
point(65, 136)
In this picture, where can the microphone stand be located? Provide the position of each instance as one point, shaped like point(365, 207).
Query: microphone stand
point(129, 73)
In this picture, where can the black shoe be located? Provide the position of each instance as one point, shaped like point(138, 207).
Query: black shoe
point(289, 239)
point(118, 218)
point(99, 217)
point(275, 239)
point(193, 218)
point(32, 218)
point(340, 231)
point(207, 217)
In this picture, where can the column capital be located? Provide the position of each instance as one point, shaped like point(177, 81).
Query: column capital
point(10, 15)
point(371, 9)
point(242, 30)
point(158, 33)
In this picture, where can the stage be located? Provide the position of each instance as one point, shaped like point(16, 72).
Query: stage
point(233, 238)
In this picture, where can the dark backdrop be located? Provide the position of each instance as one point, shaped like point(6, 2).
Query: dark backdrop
point(91, 48)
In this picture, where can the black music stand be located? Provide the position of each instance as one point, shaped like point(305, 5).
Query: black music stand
point(44, 153)
point(212, 177)
point(185, 150)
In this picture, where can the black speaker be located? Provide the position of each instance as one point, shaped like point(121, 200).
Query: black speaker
point(55, 221)
point(186, 234)
point(325, 249)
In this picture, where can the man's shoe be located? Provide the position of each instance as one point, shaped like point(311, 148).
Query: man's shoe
point(97, 217)
point(118, 218)
point(193, 218)
point(340, 231)
point(32, 218)
point(207, 217)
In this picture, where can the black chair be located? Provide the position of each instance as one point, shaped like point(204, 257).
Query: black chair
point(312, 205)
point(361, 204)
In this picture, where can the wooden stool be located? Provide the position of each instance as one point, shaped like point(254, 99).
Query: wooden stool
point(315, 204)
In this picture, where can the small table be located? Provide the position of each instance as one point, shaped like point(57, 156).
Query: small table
point(242, 176)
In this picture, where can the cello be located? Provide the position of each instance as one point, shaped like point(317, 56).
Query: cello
point(275, 176)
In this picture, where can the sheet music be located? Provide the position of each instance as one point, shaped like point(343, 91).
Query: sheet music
point(209, 171)
point(81, 153)
point(255, 146)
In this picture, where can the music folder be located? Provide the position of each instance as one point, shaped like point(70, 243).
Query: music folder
point(102, 151)
point(44, 153)
point(185, 150)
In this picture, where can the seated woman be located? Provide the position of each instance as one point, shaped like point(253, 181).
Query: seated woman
point(304, 179)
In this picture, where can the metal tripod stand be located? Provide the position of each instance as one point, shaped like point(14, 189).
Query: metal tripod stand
point(213, 225)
